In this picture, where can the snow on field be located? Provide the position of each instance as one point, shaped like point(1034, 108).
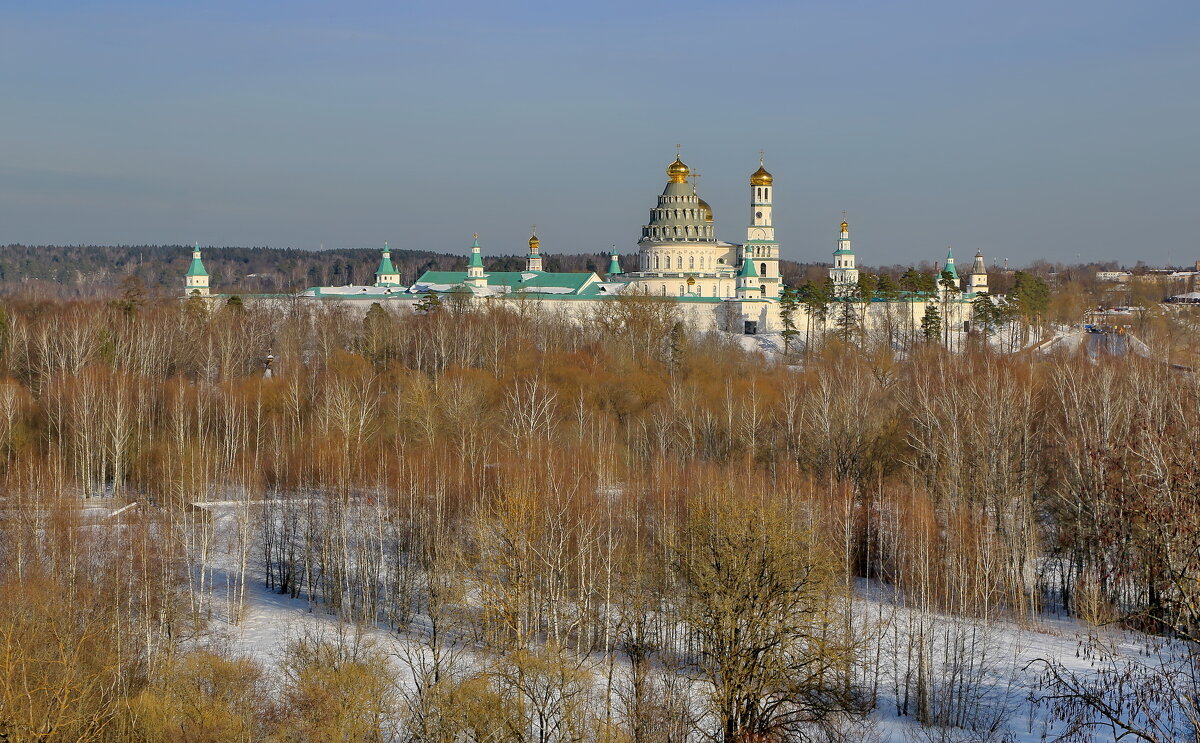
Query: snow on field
point(1004, 652)
point(1007, 339)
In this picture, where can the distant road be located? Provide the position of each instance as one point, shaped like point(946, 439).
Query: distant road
point(1110, 343)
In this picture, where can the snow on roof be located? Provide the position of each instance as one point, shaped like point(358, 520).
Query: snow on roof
point(503, 282)
point(351, 290)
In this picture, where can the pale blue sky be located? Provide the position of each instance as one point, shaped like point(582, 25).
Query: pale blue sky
point(1026, 129)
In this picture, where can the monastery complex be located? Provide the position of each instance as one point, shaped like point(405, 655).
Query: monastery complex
point(717, 285)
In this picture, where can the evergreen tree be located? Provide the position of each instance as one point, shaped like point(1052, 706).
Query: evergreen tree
point(846, 322)
point(886, 288)
point(815, 298)
point(429, 304)
point(948, 284)
point(789, 301)
point(931, 322)
point(985, 313)
point(1031, 295)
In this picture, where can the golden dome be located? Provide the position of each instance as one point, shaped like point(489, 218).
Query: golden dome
point(761, 177)
point(534, 242)
point(678, 171)
point(705, 209)
point(845, 226)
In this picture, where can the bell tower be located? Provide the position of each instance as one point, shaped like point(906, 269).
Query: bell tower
point(844, 274)
point(533, 261)
point(760, 235)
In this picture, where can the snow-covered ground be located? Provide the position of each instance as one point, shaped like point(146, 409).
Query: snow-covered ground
point(1007, 339)
point(1004, 654)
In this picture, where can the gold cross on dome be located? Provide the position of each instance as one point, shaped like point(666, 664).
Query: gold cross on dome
point(761, 156)
point(676, 152)
point(533, 230)
point(695, 180)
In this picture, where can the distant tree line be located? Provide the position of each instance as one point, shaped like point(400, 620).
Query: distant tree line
point(98, 271)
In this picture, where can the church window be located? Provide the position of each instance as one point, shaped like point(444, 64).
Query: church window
point(681, 290)
point(763, 269)
point(656, 261)
point(679, 261)
point(664, 290)
point(691, 261)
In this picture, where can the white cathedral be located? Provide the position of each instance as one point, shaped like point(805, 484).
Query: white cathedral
point(679, 254)
point(718, 285)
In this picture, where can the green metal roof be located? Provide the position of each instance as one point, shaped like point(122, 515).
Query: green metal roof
point(571, 283)
point(476, 259)
point(385, 264)
point(843, 251)
point(950, 264)
point(748, 269)
point(614, 266)
point(197, 267)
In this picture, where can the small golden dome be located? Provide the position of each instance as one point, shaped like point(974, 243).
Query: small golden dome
point(534, 242)
point(705, 209)
point(678, 171)
point(761, 177)
point(845, 226)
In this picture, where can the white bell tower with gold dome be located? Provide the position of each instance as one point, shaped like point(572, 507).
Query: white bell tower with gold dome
point(844, 273)
point(760, 244)
point(533, 261)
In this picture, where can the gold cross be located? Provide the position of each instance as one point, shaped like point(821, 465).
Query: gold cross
point(761, 155)
point(676, 152)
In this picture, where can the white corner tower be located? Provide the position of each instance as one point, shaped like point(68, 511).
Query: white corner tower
point(977, 280)
point(475, 277)
point(195, 283)
point(949, 275)
point(843, 274)
point(386, 275)
point(760, 234)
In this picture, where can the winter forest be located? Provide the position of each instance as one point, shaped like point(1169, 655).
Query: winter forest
point(291, 522)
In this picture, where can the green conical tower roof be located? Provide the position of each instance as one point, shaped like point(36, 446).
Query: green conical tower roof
point(950, 263)
point(385, 265)
point(614, 266)
point(476, 259)
point(748, 269)
point(197, 267)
